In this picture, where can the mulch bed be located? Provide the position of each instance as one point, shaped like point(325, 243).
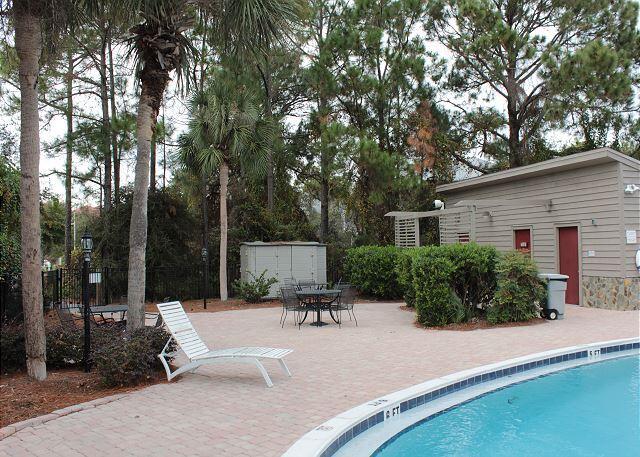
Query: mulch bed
point(477, 324)
point(22, 398)
point(215, 305)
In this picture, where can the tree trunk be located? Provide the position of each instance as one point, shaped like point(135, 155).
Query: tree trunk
point(114, 133)
point(29, 49)
point(324, 206)
point(68, 242)
point(106, 124)
point(224, 181)
point(268, 110)
point(512, 88)
point(324, 172)
point(205, 227)
point(154, 82)
point(515, 152)
point(152, 175)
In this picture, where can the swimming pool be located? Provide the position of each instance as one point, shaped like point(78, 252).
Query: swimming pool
point(382, 424)
point(592, 410)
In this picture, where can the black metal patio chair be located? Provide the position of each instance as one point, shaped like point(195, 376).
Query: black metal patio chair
point(290, 283)
point(345, 302)
point(290, 302)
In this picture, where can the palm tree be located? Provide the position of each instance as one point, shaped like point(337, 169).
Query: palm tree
point(160, 47)
point(225, 127)
point(36, 22)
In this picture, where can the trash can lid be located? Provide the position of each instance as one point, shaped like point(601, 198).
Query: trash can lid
point(553, 276)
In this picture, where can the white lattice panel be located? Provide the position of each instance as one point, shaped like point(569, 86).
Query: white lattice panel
point(407, 232)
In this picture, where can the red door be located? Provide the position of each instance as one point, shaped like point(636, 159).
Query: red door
point(568, 261)
point(523, 241)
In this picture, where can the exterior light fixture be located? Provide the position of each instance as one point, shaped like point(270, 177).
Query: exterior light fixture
point(86, 242)
point(631, 188)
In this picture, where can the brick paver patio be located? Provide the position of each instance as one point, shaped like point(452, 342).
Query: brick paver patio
point(228, 410)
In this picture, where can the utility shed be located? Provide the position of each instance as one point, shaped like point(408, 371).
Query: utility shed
point(577, 215)
point(283, 260)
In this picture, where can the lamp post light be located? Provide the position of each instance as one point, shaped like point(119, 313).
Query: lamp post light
point(205, 268)
point(86, 242)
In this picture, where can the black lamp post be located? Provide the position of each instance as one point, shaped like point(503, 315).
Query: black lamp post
point(87, 246)
point(205, 267)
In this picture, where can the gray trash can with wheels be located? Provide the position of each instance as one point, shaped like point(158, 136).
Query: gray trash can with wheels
point(556, 290)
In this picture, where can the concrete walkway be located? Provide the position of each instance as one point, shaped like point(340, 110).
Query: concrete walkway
point(228, 411)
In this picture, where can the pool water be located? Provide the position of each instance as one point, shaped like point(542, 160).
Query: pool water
point(591, 410)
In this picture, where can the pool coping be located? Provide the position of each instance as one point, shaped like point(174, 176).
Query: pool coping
point(328, 438)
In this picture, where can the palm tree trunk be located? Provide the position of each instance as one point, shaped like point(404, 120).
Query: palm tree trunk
point(152, 176)
point(68, 243)
point(224, 182)
point(154, 82)
point(29, 50)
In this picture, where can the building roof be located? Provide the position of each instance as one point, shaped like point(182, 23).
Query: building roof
point(570, 162)
point(283, 243)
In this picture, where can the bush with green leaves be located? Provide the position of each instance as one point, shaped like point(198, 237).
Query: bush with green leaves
point(435, 302)
point(120, 359)
point(64, 347)
point(474, 277)
point(129, 359)
point(12, 349)
point(470, 277)
point(255, 289)
point(519, 291)
point(373, 270)
point(404, 272)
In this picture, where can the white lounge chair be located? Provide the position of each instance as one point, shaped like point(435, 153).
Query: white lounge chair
point(189, 342)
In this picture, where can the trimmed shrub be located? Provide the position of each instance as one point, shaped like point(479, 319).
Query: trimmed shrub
point(460, 276)
point(253, 291)
point(64, 347)
point(130, 359)
point(474, 277)
point(119, 359)
point(404, 273)
point(519, 291)
point(373, 270)
point(435, 302)
point(12, 349)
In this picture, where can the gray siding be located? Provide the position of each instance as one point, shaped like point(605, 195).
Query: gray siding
point(630, 219)
point(587, 197)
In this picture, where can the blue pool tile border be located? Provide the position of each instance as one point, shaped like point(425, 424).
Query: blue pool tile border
point(456, 386)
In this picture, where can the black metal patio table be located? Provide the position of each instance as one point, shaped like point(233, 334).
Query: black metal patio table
point(122, 309)
point(319, 299)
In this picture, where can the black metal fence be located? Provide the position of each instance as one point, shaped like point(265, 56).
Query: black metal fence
point(108, 285)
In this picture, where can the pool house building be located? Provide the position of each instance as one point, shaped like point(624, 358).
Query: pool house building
point(577, 215)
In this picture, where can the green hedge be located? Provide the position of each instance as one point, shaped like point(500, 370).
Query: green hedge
point(519, 291)
point(468, 274)
point(455, 283)
point(404, 274)
point(373, 270)
point(474, 277)
point(435, 302)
